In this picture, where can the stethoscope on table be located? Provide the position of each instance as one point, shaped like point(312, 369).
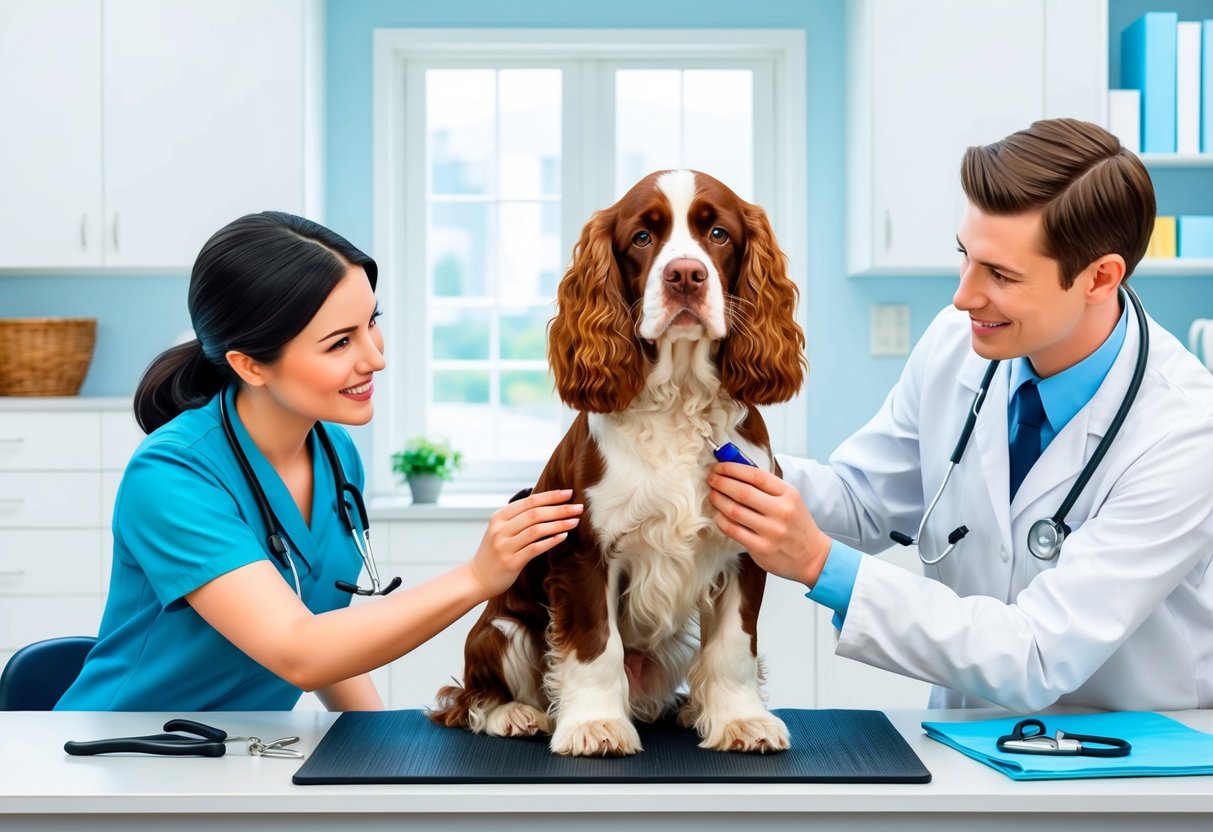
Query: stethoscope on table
point(277, 542)
point(1047, 534)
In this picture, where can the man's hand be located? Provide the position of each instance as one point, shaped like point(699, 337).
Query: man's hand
point(767, 516)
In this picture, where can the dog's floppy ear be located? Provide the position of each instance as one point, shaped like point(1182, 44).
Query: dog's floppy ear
point(592, 345)
point(763, 361)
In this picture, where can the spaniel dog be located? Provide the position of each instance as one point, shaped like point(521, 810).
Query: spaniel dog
point(675, 319)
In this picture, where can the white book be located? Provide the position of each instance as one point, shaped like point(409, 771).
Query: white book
point(1187, 87)
point(1124, 117)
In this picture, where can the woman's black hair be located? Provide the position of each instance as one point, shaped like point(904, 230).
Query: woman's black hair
point(256, 284)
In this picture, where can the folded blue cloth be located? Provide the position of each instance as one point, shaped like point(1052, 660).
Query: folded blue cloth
point(1161, 746)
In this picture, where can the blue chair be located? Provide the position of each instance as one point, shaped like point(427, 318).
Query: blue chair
point(39, 673)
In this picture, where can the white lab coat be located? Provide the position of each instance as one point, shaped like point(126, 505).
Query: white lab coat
point(1122, 620)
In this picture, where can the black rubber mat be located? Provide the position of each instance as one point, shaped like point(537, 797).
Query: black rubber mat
point(828, 746)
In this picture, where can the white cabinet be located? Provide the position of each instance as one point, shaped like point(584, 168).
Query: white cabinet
point(144, 126)
point(50, 108)
point(928, 79)
point(56, 456)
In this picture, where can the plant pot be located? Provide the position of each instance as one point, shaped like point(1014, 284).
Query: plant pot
point(425, 487)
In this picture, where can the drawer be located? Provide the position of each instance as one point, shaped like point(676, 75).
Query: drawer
point(24, 620)
point(37, 562)
point(50, 441)
point(50, 500)
point(120, 436)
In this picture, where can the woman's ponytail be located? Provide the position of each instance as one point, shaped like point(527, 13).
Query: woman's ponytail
point(181, 378)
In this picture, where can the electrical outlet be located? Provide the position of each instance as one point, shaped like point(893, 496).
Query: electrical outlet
point(889, 329)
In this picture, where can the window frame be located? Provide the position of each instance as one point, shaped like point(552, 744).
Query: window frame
point(587, 59)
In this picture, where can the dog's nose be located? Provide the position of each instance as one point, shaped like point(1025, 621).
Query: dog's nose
point(684, 275)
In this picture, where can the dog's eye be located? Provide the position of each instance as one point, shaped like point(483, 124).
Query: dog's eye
point(719, 235)
point(642, 239)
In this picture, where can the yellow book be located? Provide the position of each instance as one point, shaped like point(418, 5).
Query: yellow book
point(1163, 240)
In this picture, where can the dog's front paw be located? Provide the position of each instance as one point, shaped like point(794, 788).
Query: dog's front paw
point(517, 719)
point(761, 733)
point(596, 738)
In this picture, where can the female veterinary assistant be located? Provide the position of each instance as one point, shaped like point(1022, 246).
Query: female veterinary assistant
point(1122, 618)
point(201, 615)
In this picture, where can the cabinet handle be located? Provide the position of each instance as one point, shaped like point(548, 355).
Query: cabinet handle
point(11, 573)
point(11, 501)
point(17, 441)
point(84, 232)
point(115, 231)
point(888, 229)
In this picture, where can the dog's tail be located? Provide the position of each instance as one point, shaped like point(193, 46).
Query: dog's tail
point(484, 686)
point(455, 706)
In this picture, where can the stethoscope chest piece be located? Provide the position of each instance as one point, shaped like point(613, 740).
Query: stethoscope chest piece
point(1045, 538)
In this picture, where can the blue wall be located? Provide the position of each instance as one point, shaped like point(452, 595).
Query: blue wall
point(138, 316)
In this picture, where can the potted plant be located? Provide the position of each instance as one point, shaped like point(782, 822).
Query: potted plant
point(425, 463)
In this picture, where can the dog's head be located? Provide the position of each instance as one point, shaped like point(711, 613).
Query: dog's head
point(679, 256)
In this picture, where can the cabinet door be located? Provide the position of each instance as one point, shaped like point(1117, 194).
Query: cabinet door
point(946, 74)
point(50, 104)
point(203, 121)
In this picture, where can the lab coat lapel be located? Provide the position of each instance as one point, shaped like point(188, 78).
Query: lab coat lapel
point(990, 441)
point(1061, 462)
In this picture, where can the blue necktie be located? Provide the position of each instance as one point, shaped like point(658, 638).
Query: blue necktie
point(1029, 415)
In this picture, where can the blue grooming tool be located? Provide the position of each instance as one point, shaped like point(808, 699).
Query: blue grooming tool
point(728, 452)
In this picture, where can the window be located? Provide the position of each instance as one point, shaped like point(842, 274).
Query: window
point(492, 150)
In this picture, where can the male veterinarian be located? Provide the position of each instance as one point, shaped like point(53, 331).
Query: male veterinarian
point(1093, 592)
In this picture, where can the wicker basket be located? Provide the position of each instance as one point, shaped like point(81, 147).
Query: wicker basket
point(45, 356)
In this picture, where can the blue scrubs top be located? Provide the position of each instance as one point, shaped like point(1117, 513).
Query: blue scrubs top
point(185, 515)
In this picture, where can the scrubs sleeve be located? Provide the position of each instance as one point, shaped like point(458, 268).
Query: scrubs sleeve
point(180, 523)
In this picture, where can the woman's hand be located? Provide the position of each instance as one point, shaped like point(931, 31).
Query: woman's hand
point(768, 517)
point(520, 531)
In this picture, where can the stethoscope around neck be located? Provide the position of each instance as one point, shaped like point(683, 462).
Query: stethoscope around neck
point(1047, 534)
point(276, 541)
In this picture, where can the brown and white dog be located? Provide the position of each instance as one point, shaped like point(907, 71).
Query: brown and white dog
point(675, 318)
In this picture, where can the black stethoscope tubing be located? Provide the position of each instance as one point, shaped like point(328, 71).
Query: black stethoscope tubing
point(276, 542)
point(1047, 534)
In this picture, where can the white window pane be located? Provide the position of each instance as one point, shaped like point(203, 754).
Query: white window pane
point(529, 249)
point(524, 334)
point(461, 334)
point(487, 434)
point(460, 114)
point(461, 386)
point(648, 124)
point(695, 118)
point(458, 249)
point(530, 132)
point(718, 121)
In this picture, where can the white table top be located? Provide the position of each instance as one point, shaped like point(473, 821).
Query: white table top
point(37, 777)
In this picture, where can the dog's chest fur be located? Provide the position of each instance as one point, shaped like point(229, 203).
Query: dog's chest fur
point(651, 513)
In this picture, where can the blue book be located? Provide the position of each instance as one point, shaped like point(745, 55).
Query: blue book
point(1206, 87)
point(1195, 236)
point(1147, 63)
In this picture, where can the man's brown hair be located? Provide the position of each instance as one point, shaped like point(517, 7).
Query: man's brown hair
point(1095, 197)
